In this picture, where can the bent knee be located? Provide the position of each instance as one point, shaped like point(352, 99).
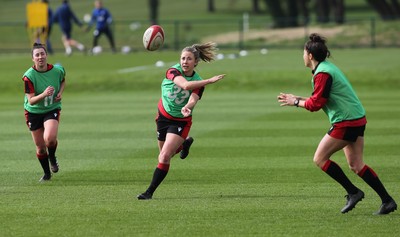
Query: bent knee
point(41, 150)
point(356, 167)
point(164, 157)
point(320, 162)
point(50, 141)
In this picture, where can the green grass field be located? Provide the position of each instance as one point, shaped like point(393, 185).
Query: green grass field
point(250, 170)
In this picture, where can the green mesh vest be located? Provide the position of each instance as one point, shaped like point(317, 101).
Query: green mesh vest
point(40, 81)
point(343, 103)
point(174, 97)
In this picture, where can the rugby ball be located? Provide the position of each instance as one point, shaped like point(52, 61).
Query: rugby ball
point(153, 38)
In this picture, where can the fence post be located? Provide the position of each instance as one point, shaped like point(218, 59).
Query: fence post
point(241, 35)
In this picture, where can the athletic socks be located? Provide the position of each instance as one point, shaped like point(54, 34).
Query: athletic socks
point(44, 162)
point(52, 151)
point(372, 179)
point(367, 174)
point(159, 174)
point(334, 170)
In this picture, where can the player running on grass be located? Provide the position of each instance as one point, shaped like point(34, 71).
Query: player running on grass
point(334, 94)
point(181, 89)
point(44, 85)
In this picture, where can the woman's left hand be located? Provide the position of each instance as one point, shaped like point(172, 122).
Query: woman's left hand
point(58, 97)
point(186, 111)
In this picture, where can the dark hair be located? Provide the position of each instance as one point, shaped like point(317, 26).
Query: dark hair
point(205, 52)
point(39, 46)
point(317, 47)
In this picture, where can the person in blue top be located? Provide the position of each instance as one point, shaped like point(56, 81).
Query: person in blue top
point(103, 19)
point(64, 17)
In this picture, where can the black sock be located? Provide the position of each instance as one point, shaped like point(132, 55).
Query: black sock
point(52, 151)
point(44, 162)
point(334, 170)
point(372, 179)
point(159, 174)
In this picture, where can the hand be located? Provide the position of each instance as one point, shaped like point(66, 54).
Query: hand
point(48, 91)
point(58, 97)
point(286, 99)
point(216, 78)
point(186, 111)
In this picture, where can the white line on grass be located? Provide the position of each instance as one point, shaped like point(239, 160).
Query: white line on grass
point(141, 68)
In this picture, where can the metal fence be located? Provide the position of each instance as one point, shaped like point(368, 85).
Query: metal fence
point(229, 34)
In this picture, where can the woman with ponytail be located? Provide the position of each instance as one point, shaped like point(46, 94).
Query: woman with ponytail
point(181, 89)
point(333, 93)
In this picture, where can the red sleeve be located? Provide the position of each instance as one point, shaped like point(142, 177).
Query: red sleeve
point(28, 86)
point(320, 95)
point(199, 92)
point(172, 73)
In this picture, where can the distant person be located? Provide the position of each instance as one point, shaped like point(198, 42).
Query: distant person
point(103, 19)
point(334, 94)
point(44, 86)
point(46, 30)
point(64, 17)
point(181, 89)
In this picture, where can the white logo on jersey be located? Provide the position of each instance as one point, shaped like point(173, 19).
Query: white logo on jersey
point(179, 129)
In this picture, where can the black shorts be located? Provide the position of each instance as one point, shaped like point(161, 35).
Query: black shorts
point(347, 133)
point(36, 121)
point(165, 125)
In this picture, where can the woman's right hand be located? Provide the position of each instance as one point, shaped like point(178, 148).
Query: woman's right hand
point(216, 78)
point(48, 91)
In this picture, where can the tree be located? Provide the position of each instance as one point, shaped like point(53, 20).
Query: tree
point(288, 18)
point(388, 10)
point(153, 4)
point(211, 6)
point(256, 6)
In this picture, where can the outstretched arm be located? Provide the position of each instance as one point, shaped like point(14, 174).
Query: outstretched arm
point(191, 85)
point(291, 100)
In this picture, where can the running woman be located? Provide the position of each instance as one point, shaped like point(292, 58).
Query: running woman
point(181, 89)
point(64, 16)
point(44, 86)
point(334, 94)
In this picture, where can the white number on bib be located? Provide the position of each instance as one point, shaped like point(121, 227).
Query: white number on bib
point(178, 95)
point(48, 100)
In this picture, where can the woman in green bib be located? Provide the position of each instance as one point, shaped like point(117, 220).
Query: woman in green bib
point(181, 89)
point(333, 93)
point(44, 85)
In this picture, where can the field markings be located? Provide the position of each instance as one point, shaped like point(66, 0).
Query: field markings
point(158, 64)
